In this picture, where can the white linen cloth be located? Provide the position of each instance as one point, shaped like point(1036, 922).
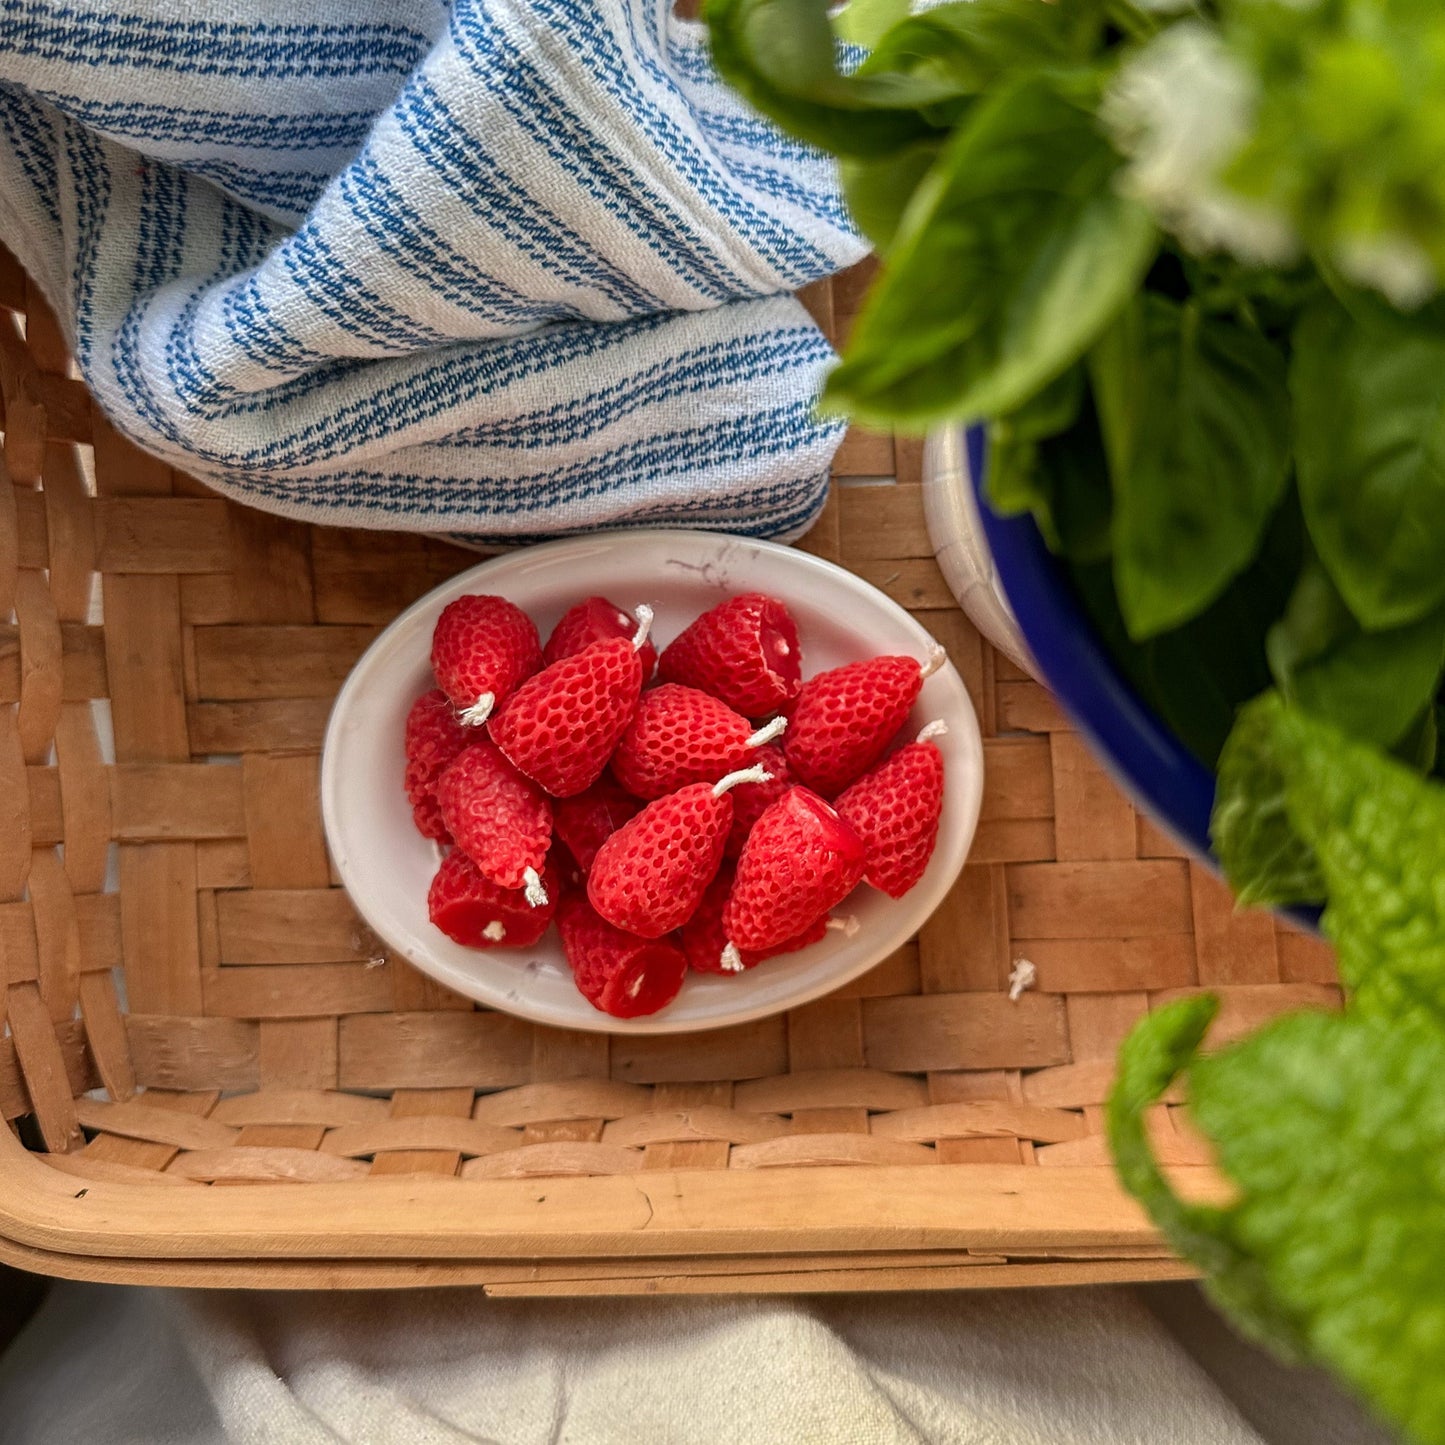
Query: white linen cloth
point(1019, 1367)
point(506, 267)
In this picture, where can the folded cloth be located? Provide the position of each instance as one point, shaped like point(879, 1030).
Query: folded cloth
point(507, 267)
point(108, 1366)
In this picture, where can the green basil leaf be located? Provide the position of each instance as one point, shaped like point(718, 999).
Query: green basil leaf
point(1330, 1128)
point(1047, 458)
point(971, 45)
point(780, 56)
point(1014, 254)
point(866, 22)
point(1205, 465)
point(1371, 685)
point(1369, 406)
point(1262, 853)
point(879, 189)
point(962, 49)
point(1378, 831)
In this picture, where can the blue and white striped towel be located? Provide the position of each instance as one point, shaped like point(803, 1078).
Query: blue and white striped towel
point(506, 267)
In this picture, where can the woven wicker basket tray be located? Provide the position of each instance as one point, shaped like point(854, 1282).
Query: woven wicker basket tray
point(188, 1001)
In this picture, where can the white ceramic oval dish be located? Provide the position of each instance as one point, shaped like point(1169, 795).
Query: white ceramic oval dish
point(387, 866)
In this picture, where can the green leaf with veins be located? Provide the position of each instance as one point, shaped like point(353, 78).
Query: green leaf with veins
point(1014, 254)
point(1378, 831)
point(1331, 1128)
point(1203, 466)
point(1372, 685)
point(1369, 415)
point(1259, 848)
point(1302, 812)
point(1153, 1055)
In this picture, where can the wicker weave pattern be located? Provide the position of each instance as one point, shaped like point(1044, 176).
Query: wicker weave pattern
point(244, 1026)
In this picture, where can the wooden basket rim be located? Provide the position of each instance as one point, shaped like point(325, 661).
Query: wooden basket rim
point(663, 1212)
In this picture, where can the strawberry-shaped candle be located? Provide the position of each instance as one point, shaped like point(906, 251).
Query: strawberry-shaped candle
point(561, 725)
point(650, 875)
point(680, 736)
point(481, 649)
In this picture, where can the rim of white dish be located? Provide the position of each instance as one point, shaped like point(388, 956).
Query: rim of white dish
point(903, 918)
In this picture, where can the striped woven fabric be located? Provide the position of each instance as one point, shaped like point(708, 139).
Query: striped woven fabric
point(506, 267)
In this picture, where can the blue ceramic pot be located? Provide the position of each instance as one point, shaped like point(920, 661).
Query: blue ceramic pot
point(1148, 761)
point(1142, 753)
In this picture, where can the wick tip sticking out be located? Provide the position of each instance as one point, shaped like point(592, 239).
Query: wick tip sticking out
point(936, 658)
point(536, 894)
point(936, 729)
point(847, 925)
point(644, 626)
point(1023, 976)
point(732, 960)
point(768, 732)
point(475, 715)
point(496, 930)
point(758, 774)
